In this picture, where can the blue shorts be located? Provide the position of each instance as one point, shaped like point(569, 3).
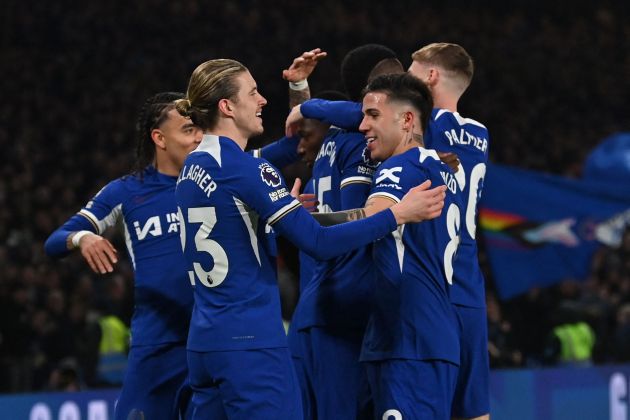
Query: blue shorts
point(472, 397)
point(299, 350)
point(333, 373)
point(244, 384)
point(412, 389)
point(155, 384)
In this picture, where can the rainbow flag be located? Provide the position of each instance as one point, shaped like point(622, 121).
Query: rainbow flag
point(540, 229)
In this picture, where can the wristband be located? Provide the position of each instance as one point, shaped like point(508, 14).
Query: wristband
point(300, 85)
point(77, 237)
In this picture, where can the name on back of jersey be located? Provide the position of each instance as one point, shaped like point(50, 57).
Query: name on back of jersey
point(199, 176)
point(328, 149)
point(450, 181)
point(463, 137)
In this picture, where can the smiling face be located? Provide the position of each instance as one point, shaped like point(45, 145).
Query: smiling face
point(382, 126)
point(247, 106)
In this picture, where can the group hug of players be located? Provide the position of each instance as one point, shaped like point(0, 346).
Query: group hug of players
point(391, 320)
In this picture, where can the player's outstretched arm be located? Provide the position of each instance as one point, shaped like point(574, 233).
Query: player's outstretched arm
point(420, 203)
point(327, 242)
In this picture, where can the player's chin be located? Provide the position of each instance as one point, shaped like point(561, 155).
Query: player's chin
point(258, 130)
point(375, 155)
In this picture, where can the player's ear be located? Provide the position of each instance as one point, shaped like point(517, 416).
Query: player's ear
point(408, 120)
point(433, 77)
point(225, 106)
point(158, 138)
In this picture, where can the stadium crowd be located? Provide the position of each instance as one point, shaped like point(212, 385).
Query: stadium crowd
point(550, 84)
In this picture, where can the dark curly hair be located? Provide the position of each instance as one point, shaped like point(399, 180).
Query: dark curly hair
point(151, 115)
point(358, 64)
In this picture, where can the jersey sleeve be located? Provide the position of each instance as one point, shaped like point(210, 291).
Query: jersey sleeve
point(280, 153)
point(97, 215)
point(342, 114)
point(356, 172)
point(105, 208)
point(262, 188)
point(56, 244)
point(324, 243)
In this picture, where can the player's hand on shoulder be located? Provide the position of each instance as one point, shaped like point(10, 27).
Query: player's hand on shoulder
point(451, 159)
point(99, 253)
point(420, 203)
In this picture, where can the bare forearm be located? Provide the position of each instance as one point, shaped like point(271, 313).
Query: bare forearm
point(296, 97)
point(338, 217)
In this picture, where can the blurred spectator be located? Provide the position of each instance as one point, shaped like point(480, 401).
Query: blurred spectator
point(500, 337)
point(622, 335)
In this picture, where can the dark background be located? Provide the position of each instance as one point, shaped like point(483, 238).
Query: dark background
point(550, 83)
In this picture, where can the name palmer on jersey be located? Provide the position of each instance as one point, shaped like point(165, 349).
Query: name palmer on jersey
point(200, 177)
point(469, 132)
point(463, 137)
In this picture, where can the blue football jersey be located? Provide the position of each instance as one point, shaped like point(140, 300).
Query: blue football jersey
point(447, 132)
point(450, 132)
point(227, 200)
point(224, 213)
point(162, 294)
point(413, 317)
point(307, 263)
point(340, 291)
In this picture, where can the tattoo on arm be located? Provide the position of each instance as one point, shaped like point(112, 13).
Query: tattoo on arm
point(338, 217)
point(296, 97)
point(355, 214)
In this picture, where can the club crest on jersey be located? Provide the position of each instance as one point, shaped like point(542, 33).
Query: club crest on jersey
point(367, 158)
point(269, 175)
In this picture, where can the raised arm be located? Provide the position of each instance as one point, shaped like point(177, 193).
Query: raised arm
point(298, 73)
point(342, 114)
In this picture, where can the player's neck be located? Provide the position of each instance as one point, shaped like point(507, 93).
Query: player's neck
point(165, 166)
point(231, 132)
point(444, 99)
point(405, 145)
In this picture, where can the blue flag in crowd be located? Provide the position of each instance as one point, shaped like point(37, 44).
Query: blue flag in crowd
point(610, 160)
point(540, 229)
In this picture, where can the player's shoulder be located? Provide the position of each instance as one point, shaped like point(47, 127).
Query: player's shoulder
point(406, 166)
point(125, 185)
point(446, 117)
point(344, 138)
point(222, 150)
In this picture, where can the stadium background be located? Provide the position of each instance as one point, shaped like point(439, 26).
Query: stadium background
point(551, 82)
